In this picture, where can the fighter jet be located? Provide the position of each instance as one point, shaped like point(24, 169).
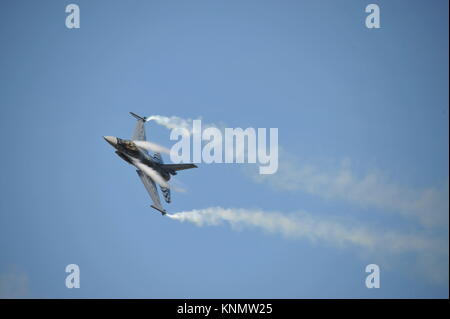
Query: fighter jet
point(150, 168)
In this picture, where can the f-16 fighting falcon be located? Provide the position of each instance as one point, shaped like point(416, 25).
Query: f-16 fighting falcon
point(150, 168)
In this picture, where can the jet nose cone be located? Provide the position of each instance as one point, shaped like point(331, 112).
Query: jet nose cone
point(111, 140)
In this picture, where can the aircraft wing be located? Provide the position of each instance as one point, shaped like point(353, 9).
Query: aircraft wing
point(152, 191)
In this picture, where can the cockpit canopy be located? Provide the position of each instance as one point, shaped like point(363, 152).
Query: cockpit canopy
point(127, 144)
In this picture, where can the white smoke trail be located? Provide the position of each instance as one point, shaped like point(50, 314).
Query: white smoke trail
point(428, 206)
point(150, 172)
point(152, 147)
point(304, 225)
point(177, 186)
point(431, 253)
point(178, 189)
point(172, 122)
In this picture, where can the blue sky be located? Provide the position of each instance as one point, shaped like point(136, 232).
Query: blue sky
point(344, 98)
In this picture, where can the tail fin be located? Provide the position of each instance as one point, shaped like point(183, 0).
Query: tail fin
point(138, 117)
point(139, 129)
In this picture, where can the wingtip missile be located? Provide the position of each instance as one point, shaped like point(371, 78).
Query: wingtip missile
point(162, 211)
